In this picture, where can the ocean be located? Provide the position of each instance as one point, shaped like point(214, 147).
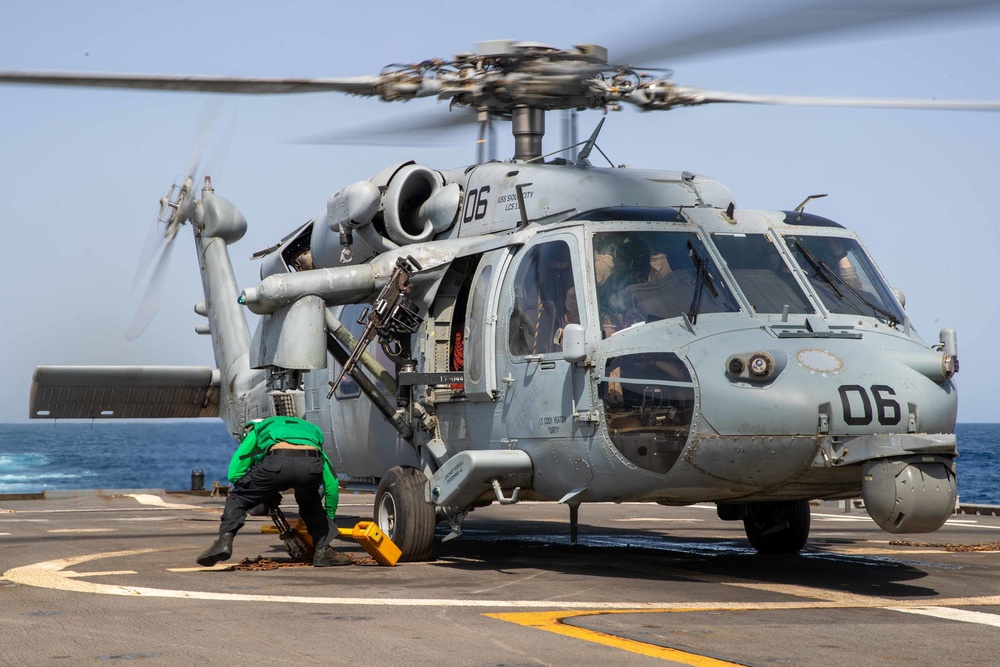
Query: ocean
point(41, 456)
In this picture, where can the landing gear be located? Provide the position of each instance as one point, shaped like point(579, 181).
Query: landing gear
point(777, 527)
point(403, 514)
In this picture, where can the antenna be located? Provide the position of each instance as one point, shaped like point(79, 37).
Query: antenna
point(591, 143)
point(801, 207)
point(486, 144)
point(569, 134)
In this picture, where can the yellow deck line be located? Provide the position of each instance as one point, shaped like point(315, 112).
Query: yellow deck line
point(555, 621)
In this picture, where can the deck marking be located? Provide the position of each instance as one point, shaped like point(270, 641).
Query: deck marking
point(555, 621)
point(877, 551)
point(81, 530)
point(217, 566)
point(660, 519)
point(53, 574)
point(89, 510)
point(158, 501)
point(840, 598)
point(950, 614)
point(57, 575)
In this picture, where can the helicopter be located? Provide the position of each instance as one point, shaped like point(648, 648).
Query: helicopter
point(551, 330)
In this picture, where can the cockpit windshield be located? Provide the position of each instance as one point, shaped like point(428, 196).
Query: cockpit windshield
point(650, 276)
point(844, 277)
point(761, 273)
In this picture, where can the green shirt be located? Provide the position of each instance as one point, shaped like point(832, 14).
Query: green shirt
point(263, 435)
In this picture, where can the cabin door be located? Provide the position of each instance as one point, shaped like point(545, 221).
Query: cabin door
point(542, 293)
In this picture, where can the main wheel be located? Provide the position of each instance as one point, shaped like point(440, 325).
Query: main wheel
point(402, 513)
point(778, 527)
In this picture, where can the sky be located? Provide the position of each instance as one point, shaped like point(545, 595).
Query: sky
point(81, 171)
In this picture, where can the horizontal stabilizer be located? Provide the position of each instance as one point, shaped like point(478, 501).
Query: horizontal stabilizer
point(124, 392)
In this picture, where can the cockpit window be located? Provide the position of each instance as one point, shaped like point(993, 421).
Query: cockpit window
point(648, 403)
point(844, 277)
point(761, 273)
point(650, 276)
point(545, 300)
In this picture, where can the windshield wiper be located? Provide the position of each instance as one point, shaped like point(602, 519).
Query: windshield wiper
point(702, 279)
point(822, 270)
point(829, 275)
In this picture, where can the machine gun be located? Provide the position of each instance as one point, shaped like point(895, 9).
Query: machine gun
point(391, 317)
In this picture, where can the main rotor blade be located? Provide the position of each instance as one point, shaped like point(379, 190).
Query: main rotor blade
point(423, 131)
point(789, 24)
point(357, 85)
point(709, 96)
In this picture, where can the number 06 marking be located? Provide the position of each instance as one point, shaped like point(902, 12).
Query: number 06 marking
point(476, 203)
point(889, 412)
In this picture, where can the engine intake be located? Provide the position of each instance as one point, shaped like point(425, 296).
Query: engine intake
point(417, 205)
point(403, 205)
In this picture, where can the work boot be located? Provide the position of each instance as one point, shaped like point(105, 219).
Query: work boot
point(220, 550)
point(328, 556)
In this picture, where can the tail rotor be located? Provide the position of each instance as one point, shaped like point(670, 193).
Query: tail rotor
point(177, 207)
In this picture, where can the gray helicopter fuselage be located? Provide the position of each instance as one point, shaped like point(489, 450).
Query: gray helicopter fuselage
point(566, 333)
point(733, 396)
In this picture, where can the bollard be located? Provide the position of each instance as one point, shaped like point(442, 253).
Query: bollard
point(197, 480)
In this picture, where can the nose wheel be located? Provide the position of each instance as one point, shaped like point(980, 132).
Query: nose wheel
point(402, 513)
point(777, 527)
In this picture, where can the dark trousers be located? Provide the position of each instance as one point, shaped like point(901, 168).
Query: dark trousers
point(276, 473)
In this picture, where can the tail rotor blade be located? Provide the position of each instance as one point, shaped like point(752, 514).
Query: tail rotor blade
point(150, 302)
point(203, 134)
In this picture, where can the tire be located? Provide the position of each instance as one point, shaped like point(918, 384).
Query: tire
point(402, 513)
point(778, 527)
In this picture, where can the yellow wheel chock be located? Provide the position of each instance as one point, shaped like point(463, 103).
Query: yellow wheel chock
point(366, 533)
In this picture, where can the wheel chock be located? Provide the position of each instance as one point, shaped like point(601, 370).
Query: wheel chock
point(366, 533)
point(375, 542)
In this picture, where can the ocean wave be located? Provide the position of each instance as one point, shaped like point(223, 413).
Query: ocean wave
point(17, 461)
point(42, 481)
point(14, 477)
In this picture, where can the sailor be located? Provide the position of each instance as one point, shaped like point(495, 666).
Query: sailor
point(276, 454)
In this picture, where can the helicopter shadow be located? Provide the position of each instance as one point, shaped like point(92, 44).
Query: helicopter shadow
point(610, 553)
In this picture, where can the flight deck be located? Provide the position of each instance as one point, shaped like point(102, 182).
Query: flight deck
point(92, 577)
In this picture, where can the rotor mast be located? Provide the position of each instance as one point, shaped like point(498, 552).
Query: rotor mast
point(528, 127)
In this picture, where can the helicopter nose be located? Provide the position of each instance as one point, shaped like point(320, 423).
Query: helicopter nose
point(836, 387)
point(875, 415)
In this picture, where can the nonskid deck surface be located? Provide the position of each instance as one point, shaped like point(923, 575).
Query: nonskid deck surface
point(104, 577)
